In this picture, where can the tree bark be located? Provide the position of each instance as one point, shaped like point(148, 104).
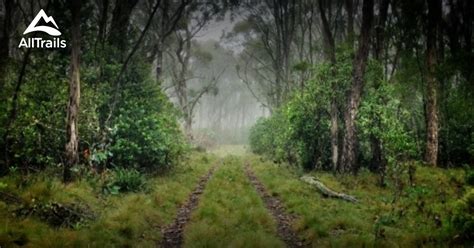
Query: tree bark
point(330, 53)
point(183, 56)
point(103, 21)
point(380, 28)
point(5, 41)
point(360, 61)
point(5, 35)
point(72, 145)
point(119, 25)
point(378, 162)
point(13, 112)
point(349, 6)
point(160, 41)
point(432, 122)
point(170, 17)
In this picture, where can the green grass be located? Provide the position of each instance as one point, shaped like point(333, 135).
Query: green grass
point(131, 219)
point(409, 222)
point(230, 213)
point(225, 150)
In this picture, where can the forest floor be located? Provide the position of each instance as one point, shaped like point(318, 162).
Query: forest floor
point(230, 198)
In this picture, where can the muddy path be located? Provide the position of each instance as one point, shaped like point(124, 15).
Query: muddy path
point(172, 235)
point(275, 207)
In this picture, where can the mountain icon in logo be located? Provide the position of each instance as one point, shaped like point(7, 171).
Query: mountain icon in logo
point(49, 30)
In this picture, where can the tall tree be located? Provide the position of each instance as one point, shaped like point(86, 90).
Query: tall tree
point(72, 145)
point(13, 112)
point(271, 32)
point(103, 16)
point(5, 40)
point(360, 62)
point(171, 13)
point(378, 161)
point(349, 6)
point(432, 121)
point(120, 22)
point(330, 53)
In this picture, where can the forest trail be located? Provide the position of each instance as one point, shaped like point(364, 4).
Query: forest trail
point(274, 205)
point(173, 233)
point(233, 187)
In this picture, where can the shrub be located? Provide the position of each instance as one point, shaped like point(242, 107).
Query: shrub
point(261, 140)
point(462, 219)
point(146, 133)
point(269, 137)
point(470, 177)
point(125, 180)
point(299, 131)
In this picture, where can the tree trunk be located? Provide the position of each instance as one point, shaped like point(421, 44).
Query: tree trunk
point(104, 7)
point(380, 29)
point(431, 151)
point(330, 53)
point(161, 40)
point(360, 61)
point(72, 154)
point(119, 25)
point(5, 34)
point(188, 125)
point(13, 112)
point(5, 41)
point(378, 162)
point(349, 5)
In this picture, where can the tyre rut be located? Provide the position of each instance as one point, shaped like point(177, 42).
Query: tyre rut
point(275, 207)
point(173, 233)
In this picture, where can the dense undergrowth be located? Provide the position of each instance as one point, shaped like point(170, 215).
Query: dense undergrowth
point(435, 208)
point(407, 202)
point(299, 131)
point(118, 218)
point(136, 127)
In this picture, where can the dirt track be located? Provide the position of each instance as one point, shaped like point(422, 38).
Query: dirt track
point(274, 206)
point(173, 233)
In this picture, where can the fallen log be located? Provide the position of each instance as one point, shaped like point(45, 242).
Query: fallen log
point(325, 191)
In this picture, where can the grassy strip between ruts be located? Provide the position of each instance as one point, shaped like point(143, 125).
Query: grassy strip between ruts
point(130, 219)
point(418, 218)
point(230, 213)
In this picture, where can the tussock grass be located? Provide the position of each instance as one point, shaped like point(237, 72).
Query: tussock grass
point(125, 220)
point(230, 213)
point(420, 217)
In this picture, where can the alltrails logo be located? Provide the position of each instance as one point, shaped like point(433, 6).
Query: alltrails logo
point(40, 42)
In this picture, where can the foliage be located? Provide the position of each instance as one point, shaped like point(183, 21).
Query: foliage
point(260, 140)
point(418, 218)
point(470, 177)
point(462, 219)
point(37, 132)
point(298, 132)
point(125, 121)
point(145, 130)
point(269, 136)
point(382, 116)
point(146, 134)
point(125, 180)
point(457, 131)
